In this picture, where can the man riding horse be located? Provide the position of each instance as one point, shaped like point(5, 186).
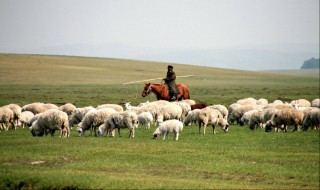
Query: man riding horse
point(170, 80)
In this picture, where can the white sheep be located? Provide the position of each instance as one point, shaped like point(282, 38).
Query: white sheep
point(223, 110)
point(6, 118)
point(16, 113)
point(145, 118)
point(116, 107)
point(247, 101)
point(315, 103)
point(78, 114)
point(246, 117)
point(185, 108)
point(188, 101)
point(262, 101)
point(52, 120)
point(301, 103)
point(170, 111)
point(68, 108)
point(256, 119)
point(192, 117)
point(239, 111)
point(164, 128)
point(25, 118)
point(121, 120)
point(212, 117)
point(93, 119)
point(285, 117)
point(38, 107)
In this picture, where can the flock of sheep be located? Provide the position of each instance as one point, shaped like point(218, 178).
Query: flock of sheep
point(169, 117)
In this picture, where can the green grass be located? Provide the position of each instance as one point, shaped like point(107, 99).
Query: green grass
point(240, 159)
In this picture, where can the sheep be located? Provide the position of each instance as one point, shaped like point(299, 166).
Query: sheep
point(257, 118)
point(53, 120)
point(145, 118)
point(93, 119)
point(223, 110)
point(185, 108)
point(192, 117)
point(38, 107)
point(262, 101)
point(16, 113)
point(78, 114)
point(121, 120)
point(25, 117)
point(277, 102)
point(239, 111)
point(285, 117)
point(68, 108)
point(315, 103)
point(268, 113)
point(6, 118)
point(246, 117)
point(188, 101)
point(116, 107)
point(171, 111)
point(164, 128)
point(301, 103)
point(212, 117)
point(247, 101)
point(231, 108)
point(311, 119)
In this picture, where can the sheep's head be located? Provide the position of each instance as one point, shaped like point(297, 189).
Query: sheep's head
point(156, 134)
point(269, 126)
point(80, 132)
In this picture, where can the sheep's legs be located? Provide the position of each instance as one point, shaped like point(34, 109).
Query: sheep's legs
point(176, 136)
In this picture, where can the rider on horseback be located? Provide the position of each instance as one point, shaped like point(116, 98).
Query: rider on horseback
point(170, 80)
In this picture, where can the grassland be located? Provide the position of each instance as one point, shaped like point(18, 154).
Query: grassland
point(240, 159)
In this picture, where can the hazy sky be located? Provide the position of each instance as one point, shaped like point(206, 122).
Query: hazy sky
point(157, 24)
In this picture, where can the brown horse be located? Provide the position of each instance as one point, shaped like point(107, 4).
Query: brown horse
point(162, 92)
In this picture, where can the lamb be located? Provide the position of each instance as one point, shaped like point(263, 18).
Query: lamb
point(121, 120)
point(285, 117)
point(315, 103)
point(53, 120)
point(170, 111)
point(116, 107)
point(164, 128)
point(78, 114)
point(6, 118)
point(93, 119)
point(68, 108)
point(212, 117)
point(16, 113)
point(25, 117)
point(311, 119)
point(145, 118)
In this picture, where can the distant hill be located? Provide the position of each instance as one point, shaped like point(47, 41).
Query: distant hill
point(311, 64)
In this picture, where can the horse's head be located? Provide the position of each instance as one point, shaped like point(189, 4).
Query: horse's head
point(147, 89)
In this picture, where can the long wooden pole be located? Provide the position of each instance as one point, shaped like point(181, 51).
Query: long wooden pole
point(184, 76)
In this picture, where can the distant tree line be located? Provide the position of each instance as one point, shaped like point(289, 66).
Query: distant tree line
point(311, 64)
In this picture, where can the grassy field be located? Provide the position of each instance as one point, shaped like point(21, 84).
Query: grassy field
point(240, 159)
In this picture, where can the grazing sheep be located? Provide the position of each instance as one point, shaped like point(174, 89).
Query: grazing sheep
point(315, 103)
point(188, 101)
point(246, 117)
point(285, 117)
point(223, 110)
point(238, 112)
point(301, 103)
point(277, 102)
point(25, 118)
point(6, 118)
point(262, 101)
point(78, 114)
point(192, 117)
point(231, 108)
point(173, 126)
point(212, 117)
point(185, 108)
point(116, 107)
point(16, 113)
point(53, 120)
point(311, 119)
point(93, 119)
point(256, 119)
point(171, 111)
point(268, 113)
point(121, 120)
point(68, 108)
point(145, 118)
point(38, 107)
